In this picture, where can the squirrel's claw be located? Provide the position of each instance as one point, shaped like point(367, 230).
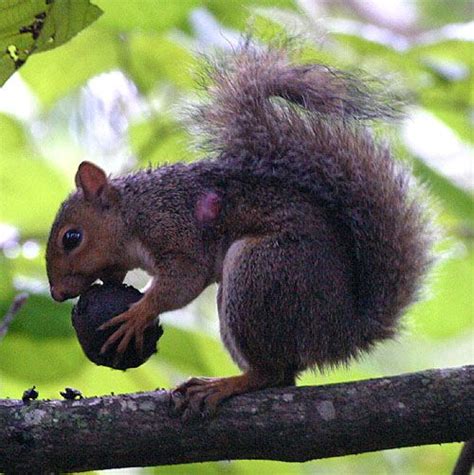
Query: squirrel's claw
point(114, 321)
point(112, 339)
point(201, 396)
point(133, 324)
point(193, 398)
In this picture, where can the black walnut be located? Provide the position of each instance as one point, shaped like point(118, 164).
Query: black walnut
point(97, 305)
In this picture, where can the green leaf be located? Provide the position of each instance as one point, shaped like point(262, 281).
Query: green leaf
point(454, 50)
point(13, 136)
point(56, 73)
point(159, 141)
point(438, 13)
point(209, 468)
point(30, 189)
point(33, 26)
point(449, 307)
point(271, 467)
point(446, 86)
point(42, 318)
point(146, 15)
point(194, 353)
point(453, 116)
point(153, 59)
point(6, 285)
point(37, 361)
point(378, 59)
point(68, 17)
point(453, 198)
point(236, 13)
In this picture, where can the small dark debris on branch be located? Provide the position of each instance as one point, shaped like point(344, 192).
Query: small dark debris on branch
point(29, 395)
point(71, 394)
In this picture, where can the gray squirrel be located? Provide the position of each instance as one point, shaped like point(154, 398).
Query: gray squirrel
point(313, 233)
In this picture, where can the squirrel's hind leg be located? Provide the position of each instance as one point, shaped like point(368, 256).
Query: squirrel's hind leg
point(283, 300)
point(254, 325)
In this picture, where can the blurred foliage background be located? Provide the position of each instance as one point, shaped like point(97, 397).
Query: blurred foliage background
point(112, 95)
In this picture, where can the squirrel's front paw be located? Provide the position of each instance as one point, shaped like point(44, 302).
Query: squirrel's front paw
point(132, 325)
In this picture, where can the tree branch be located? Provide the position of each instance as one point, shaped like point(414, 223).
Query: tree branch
point(289, 424)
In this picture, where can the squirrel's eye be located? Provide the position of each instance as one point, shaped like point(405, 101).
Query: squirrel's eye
point(71, 239)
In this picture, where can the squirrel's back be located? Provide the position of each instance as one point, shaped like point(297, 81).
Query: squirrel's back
point(302, 124)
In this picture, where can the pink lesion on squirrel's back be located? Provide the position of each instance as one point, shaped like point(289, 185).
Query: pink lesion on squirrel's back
point(208, 207)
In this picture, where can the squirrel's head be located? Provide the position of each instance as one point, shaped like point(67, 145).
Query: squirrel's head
point(85, 240)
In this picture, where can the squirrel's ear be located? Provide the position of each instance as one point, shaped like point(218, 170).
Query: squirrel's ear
point(93, 182)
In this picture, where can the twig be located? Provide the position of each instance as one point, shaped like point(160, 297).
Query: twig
point(15, 307)
point(466, 459)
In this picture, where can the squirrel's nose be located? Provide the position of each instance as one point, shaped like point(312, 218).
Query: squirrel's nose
point(58, 294)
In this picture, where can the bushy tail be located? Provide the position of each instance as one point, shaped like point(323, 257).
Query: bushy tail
point(302, 123)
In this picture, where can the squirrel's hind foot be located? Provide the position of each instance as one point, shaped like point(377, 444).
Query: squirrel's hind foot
point(200, 397)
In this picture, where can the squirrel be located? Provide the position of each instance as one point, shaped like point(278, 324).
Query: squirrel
point(314, 234)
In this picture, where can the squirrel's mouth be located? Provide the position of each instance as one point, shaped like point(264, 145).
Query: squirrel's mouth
point(60, 295)
point(73, 285)
point(70, 287)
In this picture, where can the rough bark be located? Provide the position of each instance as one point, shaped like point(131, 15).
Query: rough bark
point(290, 424)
